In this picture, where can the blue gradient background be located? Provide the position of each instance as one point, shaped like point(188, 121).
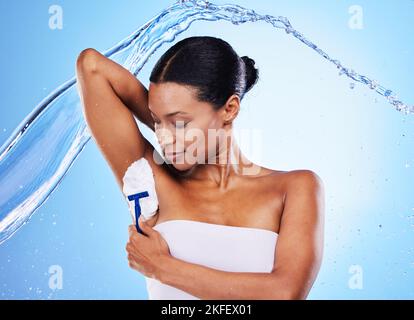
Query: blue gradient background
point(310, 118)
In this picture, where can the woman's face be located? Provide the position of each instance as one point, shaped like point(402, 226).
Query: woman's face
point(183, 125)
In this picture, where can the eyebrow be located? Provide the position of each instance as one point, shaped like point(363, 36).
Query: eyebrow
point(168, 115)
point(175, 113)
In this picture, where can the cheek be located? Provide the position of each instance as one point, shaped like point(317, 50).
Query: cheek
point(212, 141)
point(164, 135)
point(217, 132)
point(195, 137)
point(208, 131)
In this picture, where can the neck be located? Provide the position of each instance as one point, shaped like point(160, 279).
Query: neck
point(221, 169)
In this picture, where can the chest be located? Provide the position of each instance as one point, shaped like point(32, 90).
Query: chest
point(257, 204)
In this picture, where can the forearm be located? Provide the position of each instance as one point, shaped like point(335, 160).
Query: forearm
point(207, 283)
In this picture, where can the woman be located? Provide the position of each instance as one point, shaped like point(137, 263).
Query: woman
point(225, 228)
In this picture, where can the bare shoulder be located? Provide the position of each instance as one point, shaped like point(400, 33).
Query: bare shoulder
point(295, 181)
point(295, 178)
point(304, 178)
point(304, 192)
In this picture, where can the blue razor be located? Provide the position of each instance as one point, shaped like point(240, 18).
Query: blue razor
point(136, 198)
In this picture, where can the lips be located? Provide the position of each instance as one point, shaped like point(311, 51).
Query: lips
point(173, 154)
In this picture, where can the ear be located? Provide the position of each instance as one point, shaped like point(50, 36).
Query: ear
point(231, 109)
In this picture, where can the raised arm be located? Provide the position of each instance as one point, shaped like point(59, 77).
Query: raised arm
point(128, 88)
point(110, 96)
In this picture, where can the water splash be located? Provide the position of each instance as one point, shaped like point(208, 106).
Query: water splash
point(40, 151)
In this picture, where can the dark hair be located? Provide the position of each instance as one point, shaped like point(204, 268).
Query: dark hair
point(209, 65)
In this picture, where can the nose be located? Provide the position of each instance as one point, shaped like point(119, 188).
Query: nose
point(164, 136)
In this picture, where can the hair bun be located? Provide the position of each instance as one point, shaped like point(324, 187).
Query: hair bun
point(252, 73)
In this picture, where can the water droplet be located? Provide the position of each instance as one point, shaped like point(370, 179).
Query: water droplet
point(352, 85)
point(135, 60)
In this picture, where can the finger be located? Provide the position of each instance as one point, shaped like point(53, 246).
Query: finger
point(137, 267)
point(130, 247)
point(132, 257)
point(131, 230)
point(146, 228)
point(131, 262)
point(136, 261)
point(140, 265)
point(136, 237)
point(136, 244)
point(135, 257)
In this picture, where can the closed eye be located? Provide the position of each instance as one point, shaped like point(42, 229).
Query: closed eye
point(181, 124)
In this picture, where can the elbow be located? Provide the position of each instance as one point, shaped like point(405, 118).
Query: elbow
point(87, 60)
point(295, 295)
point(289, 294)
point(288, 289)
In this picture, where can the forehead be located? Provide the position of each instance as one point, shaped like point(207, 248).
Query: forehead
point(170, 96)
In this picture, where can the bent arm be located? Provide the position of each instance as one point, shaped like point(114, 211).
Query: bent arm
point(211, 284)
point(298, 254)
point(128, 88)
point(103, 87)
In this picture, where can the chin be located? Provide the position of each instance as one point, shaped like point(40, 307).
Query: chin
point(182, 166)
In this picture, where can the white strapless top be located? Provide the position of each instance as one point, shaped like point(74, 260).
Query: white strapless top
point(226, 248)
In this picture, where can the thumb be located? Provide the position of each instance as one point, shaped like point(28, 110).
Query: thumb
point(145, 227)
